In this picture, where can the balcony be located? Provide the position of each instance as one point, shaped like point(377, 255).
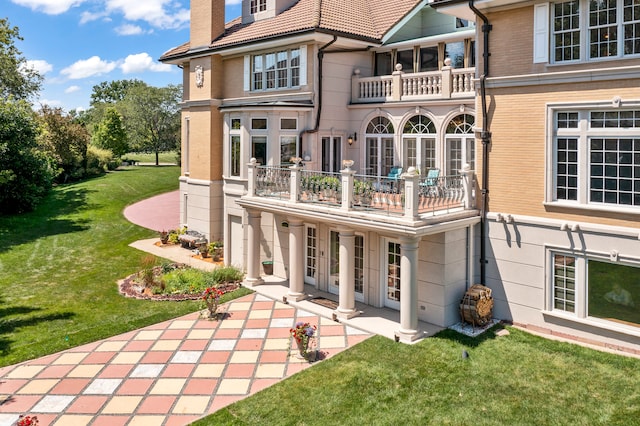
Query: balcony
point(449, 83)
point(410, 200)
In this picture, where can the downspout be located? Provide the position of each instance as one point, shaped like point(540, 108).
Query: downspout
point(319, 113)
point(485, 136)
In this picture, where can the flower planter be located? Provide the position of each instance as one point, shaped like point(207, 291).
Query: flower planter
point(267, 267)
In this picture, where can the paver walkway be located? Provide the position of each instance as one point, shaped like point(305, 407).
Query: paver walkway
point(159, 213)
point(170, 373)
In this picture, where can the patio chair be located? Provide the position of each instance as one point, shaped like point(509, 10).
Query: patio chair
point(389, 183)
point(430, 184)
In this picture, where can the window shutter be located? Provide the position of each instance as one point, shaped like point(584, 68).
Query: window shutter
point(247, 73)
point(303, 65)
point(541, 33)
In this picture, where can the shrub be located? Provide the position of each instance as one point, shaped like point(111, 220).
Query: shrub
point(100, 160)
point(195, 281)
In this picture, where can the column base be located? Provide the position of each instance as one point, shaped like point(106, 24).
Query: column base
point(407, 336)
point(252, 282)
point(345, 314)
point(294, 297)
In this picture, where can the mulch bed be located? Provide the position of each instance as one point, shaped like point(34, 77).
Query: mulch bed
point(129, 287)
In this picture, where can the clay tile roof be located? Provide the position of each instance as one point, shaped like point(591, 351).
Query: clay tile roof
point(363, 19)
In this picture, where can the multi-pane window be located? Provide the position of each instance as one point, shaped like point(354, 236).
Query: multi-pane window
point(275, 70)
point(288, 142)
point(597, 157)
point(379, 147)
point(419, 150)
point(359, 264)
point(258, 6)
point(460, 144)
point(234, 147)
point(393, 271)
point(564, 283)
point(610, 28)
point(589, 286)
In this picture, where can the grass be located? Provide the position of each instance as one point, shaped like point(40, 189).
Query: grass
point(59, 266)
point(519, 379)
point(143, 157)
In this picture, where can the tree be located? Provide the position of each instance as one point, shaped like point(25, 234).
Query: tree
point(152, 115)
point(110, 134)
point(66, 140)
point(112, 92)
point(25, 173)
point(16, 79)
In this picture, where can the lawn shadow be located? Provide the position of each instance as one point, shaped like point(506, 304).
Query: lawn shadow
point(46, 219)
point(16, 317)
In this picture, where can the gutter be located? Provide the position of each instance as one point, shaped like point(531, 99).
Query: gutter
point(319, 113)
point(485, 136)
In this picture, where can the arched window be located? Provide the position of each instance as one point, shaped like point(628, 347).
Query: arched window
point(379, 155)
point(419, 143)
point(460, 143)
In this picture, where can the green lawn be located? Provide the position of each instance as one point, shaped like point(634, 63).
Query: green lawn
point(164, 157)
point(519, 379)
point(59, 266)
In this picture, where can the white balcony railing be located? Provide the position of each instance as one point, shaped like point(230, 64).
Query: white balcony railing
point(410, 196)
point(445, 84)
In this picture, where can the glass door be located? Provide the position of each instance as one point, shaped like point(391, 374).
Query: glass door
point(392, 279)
point(358, 264)
point(331, 154)
point(311, 259)
point(334, 262)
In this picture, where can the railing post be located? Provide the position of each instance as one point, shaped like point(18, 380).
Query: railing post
point(355, 86)
point(396, 83)
point(447, 80)
point(411, 186)
point(294, 183)
point(347, 185)
point(251, 177)
point(467, 173)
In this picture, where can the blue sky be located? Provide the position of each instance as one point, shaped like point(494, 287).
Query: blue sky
point(76, 44)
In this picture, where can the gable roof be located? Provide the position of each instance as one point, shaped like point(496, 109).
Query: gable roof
point(366, 20)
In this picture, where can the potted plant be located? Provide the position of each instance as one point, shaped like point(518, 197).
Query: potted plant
point(164, 236)
point(303, 334)
point(216, 249)
point(267, 267)
point(211, 297)
point(203, 249)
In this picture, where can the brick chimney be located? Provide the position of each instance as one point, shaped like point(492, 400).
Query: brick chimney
point(207, 21)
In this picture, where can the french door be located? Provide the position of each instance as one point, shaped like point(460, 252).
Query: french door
point(392, 271)
point(331, 153)
point(311, 255)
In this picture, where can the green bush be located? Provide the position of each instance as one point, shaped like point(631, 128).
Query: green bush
point(195, 281)
point(100, 160)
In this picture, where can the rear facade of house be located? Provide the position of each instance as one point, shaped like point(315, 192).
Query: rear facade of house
point(562, 86)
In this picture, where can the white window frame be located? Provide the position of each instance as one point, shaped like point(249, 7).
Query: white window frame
point(235, 135)
point(584, 133)
point(580, 314)
point(250, 73)
point(544, 40)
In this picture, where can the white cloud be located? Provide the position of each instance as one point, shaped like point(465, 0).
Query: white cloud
point(142, 62)
point(158, 13)
point(232, 2)
point(50, 7)
point(86, 16)
point(88, 67)
point(129, 29)
point(72, 89)
point(39, 65)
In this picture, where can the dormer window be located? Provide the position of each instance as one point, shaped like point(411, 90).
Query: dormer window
point(258, 6)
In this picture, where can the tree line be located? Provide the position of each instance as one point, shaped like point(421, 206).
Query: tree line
point(41, 147)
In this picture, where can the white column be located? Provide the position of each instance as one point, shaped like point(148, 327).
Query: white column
point(411, 186)
point(296, 260)
point(253, 248)
point(347, 303)
point(467, 176)
point(408, 289)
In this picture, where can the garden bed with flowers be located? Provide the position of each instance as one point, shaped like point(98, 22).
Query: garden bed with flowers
point(177, 282)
